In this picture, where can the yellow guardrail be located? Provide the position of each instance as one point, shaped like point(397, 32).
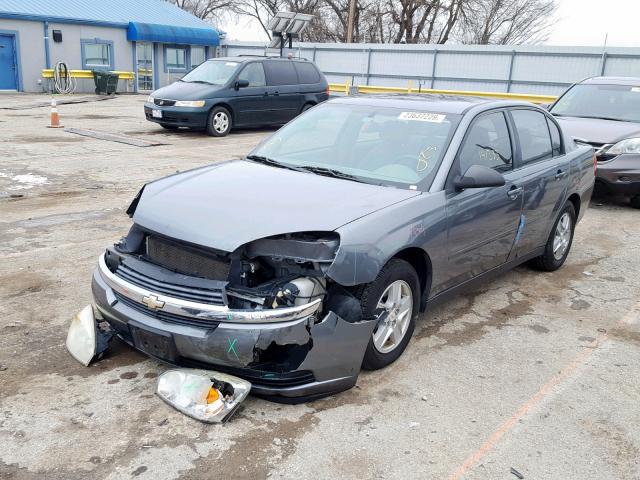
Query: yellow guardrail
point(48, 73)
point(345, 88)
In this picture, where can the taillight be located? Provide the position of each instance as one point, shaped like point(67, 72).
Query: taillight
point(595, 164)
point(328, 90)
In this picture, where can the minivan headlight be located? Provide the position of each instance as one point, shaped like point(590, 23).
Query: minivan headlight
point(629, 145)
point(189, 103)
point(150, 99)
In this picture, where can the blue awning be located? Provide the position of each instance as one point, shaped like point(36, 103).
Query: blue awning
point(149, 32)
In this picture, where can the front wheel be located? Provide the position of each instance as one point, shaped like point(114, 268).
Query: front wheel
point(219, 122)
point(559, 243)
point(394, 298)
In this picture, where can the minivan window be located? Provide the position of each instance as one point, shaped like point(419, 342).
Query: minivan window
point(215, 72)
point(487, 144)
point(280, 72)
point(254, 74)
point(533, 132)
point(307, 73)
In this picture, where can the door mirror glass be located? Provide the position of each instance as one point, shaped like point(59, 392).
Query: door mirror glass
point(479, 176)
point(241, 84)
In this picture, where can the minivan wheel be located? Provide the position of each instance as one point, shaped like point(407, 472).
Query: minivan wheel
point(635, 201)
point(559, 243)
point(306, 107)
point(219, 122)
point(394, 298)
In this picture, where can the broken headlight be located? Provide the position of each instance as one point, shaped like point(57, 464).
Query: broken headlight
point(208, 396)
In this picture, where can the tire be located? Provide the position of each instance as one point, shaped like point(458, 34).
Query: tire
point(635, 201)
point(168, 127)
point(395, 274)
point(219, 122)
point(550, 261)
point(306, 107)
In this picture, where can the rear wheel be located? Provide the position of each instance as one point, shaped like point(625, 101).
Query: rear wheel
point(306, 107)
point(635, 201)
point(219, 122)
point(559, 243)
point(394, 298)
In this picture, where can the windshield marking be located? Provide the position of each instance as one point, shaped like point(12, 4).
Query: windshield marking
point(422, 117)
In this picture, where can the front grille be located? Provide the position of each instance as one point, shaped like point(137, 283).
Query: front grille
point(166, 316)
point(208, 292)
point(164, 103)
point(187, 260)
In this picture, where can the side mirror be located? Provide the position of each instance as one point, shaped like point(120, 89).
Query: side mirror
point(479, 176)
point(241, 84)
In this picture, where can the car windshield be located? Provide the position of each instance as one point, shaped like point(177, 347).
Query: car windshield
point(612, 102)
point(215, 72)
point(399, 147)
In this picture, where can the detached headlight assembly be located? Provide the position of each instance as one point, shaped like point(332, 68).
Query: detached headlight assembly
point(205, 395)
point(629, 145)
point(189, 103)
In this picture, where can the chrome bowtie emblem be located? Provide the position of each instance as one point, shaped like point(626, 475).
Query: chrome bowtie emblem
point(152, 302)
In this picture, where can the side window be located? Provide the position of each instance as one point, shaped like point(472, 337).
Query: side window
point(488, 144)
point(307, 73)
point(175, 59)
point(97, 54)
point(533, 133)
point(280, 72)
point(254, 74)
point(197, 56)
point(556, 139)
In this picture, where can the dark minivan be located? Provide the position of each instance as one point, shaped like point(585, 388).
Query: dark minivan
point(231, 92)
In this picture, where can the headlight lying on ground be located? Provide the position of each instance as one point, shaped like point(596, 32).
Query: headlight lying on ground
point(189, 103)
point(85, 341)
point(208, 396)
point(630, 145)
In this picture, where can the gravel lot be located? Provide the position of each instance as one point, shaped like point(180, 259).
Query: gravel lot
point(536, 372)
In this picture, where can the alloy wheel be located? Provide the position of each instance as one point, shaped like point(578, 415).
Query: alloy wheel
point(562, 236)
point(220, 122)
point(396, 306)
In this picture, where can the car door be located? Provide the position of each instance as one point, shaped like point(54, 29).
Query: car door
point(285, 98)
point(543, 172)
point(251, 104)
point(482, 222)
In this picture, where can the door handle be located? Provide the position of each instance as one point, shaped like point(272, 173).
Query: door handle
point(514, 192)
point(560, 174)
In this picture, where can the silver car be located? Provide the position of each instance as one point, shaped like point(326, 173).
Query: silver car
point(312, 257)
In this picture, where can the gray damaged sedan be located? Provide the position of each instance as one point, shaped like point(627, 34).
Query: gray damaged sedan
point(312, 257)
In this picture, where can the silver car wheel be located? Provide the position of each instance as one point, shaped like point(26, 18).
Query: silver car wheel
point(562, 237)
point(220, 122)
point(396, 303)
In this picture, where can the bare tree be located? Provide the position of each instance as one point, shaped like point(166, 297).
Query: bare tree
point(511, 22)
point(206, 9)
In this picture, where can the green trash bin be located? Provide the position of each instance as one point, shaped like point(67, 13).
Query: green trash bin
point(106, 82)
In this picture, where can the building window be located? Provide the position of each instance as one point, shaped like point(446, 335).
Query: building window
point(197, 56)
point(175, 59)
point(97, 54)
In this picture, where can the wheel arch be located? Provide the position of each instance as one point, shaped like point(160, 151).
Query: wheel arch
point(574, 198)
point(225, 105)
point(421, 262)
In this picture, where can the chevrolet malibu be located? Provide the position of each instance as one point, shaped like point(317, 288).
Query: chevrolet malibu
point(312, 257)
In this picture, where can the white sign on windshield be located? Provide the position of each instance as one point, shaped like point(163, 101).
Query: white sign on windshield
point(422, 117)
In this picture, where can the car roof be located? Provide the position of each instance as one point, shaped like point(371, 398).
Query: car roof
point(248, 58)
point(455, 104)
point(630, 81)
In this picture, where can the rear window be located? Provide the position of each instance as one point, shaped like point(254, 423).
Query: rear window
point(280, 72)
point(307, 73)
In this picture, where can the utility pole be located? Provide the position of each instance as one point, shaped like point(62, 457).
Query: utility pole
point(351, 20)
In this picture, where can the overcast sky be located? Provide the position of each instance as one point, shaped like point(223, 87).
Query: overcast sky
point(579, 22)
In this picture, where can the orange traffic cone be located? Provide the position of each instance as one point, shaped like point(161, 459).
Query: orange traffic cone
point(55, 118)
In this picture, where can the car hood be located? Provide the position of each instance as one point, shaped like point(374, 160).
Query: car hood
point(594, 130)
point(227, 205)
point(186, 91)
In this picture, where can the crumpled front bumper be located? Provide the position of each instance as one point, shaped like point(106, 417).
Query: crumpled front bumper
point(287, 360)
